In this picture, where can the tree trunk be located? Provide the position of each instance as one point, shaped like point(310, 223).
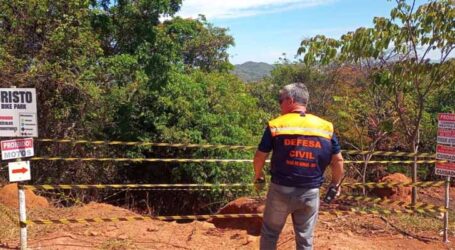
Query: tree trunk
point(415, 149)
point(366, 158)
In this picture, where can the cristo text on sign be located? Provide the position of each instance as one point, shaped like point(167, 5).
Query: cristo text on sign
point(18, 114)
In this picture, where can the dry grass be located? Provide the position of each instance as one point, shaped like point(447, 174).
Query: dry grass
point(9, 227)
point(422, 224)
point(117, 244)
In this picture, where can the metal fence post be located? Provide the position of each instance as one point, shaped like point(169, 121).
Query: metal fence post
point(446, 213)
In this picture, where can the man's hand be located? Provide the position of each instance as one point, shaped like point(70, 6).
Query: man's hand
point(258, 164)
point(337, 169)
point(259, 184)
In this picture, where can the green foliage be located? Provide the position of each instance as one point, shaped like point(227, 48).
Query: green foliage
point(111, 70)
point(201, 45)
point(217, 106)
point(396, 50)
point(317, 80)
point(124, 26)
point(397, 169)
point(319, 48)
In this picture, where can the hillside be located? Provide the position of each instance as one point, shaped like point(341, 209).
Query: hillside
point(252, 71)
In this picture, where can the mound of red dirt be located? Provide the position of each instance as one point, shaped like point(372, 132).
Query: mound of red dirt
point(103, 210)
point(8, 197)
point(395, 193)
point(242, 205)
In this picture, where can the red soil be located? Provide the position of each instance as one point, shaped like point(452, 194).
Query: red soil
point(395, 193)
point(9, 193)
point(344, 232)
point(242, 205)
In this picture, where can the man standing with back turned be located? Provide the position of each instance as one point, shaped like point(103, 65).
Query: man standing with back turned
point(303, 146)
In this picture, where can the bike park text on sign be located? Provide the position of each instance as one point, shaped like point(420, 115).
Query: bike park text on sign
point(18, 113)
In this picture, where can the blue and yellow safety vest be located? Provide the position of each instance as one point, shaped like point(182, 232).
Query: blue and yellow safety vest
point(302, 149)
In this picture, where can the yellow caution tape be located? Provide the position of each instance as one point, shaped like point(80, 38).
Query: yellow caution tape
point(221, 216)
point(388, 153)
point(142, 218)
point(201, 160)
point(419, 205)
point(62, 195)
point(133, 186)
point(217, 146)
point(381, 211)
point(154, 144)
point(395, 184)
point(398, 162)
point(226, 185)
point(140, 159)
point(244, 188)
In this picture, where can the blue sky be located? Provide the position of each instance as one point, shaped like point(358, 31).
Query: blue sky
point(264, 29)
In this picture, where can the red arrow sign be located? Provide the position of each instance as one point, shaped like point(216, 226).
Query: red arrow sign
point(19, 171)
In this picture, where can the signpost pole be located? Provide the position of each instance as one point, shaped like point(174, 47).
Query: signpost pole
point(22, 216)
point(446, 213)
point(445, 150)
point(18, 118)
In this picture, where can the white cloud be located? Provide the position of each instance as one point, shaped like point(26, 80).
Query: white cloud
point(240, 8)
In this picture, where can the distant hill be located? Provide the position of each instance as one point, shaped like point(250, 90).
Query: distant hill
point(252, 71)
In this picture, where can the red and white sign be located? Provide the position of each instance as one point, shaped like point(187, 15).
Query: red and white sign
point(445, 150)
point(446, 169)
point(446, 117)
point(13, 149)
point(19, 171)
point(445, 153)
point(446, 121)
point(446, 133)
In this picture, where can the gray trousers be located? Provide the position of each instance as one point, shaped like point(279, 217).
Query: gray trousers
point(301, 203)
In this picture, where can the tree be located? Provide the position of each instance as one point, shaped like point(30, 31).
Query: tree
point(318, 80)
point(399, 50)
point(201, 45)
point(123, 26)
point(363, 113)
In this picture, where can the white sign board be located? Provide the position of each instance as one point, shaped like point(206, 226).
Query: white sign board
point(19, 148)
point(18, 117)
point(445, 150)
point(19, 171)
